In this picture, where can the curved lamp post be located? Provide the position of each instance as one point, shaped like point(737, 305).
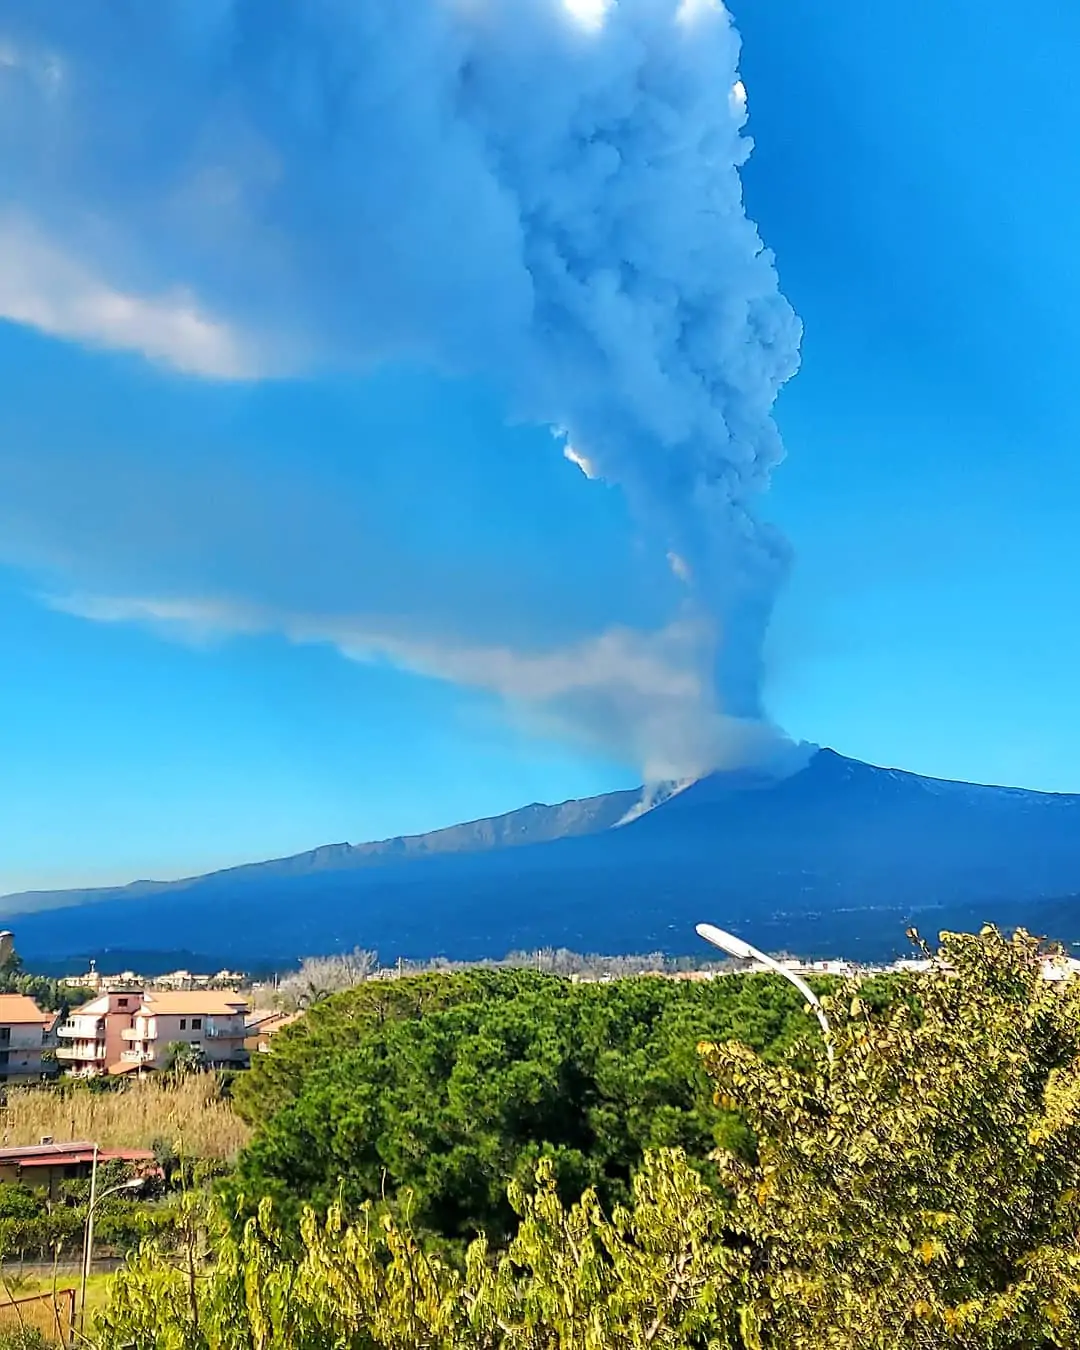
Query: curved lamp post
point(742, 951)
point(133, 1184)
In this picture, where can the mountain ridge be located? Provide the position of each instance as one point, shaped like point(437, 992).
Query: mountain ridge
point(835, 859)
point(508, 829)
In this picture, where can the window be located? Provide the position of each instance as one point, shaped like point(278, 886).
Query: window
point(5, 1035)
point(121, 1002)
point(196, 1024)
point(183, 1024)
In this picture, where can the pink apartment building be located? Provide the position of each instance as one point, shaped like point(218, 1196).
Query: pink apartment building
point(127, 1030)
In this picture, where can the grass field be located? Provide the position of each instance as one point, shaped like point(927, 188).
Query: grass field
point(20, 1308)
point(189, 1113)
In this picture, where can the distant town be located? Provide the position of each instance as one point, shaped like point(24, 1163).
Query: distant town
point(124, 1023)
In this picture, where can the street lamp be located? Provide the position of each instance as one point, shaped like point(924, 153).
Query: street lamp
point(742, 951)
point(132, 1184)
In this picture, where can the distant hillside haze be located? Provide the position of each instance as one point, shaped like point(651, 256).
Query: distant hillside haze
point(532, 824)
point(837, 859)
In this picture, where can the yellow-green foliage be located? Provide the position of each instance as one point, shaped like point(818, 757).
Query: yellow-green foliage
point(655, 1274)
point(188, 1112)
point(925, 1191)
point(921, 1192)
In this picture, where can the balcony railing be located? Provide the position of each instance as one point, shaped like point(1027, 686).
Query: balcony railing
point(79, 1030)
point(136, 1056)
point(213, 1032)
point(80, 1053)
point(209, 1031)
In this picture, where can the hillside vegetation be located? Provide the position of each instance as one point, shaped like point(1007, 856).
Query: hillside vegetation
point(450, 1086)
point(921, 1188)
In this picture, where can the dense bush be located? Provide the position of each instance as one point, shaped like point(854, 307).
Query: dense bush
point(24, 1338)
point(18, 1202)
point(922, 1190)
point(39, 1236)
point(59, 1229)
point(451, 1086)
point(337, 1024)
point(35, 1227)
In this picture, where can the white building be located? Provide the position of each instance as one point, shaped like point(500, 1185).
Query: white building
point(211, 1020)
point(24, 1032)
point(1060, 967)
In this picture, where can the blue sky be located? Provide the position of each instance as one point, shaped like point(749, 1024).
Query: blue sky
point(249, 613)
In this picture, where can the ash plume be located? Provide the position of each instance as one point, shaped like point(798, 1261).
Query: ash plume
point(542, 194)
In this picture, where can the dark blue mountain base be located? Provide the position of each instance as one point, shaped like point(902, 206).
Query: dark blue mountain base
point(837, 860)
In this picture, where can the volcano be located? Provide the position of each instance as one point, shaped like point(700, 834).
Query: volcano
point(836, 860)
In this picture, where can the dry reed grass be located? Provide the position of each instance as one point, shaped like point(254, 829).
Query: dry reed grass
point(189, 1113)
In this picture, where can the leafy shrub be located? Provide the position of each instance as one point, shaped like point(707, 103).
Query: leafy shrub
point(451, 1086)
point(58, 1228)
point(922, 1190)
point(112, 1172)
point(20, 1202)
point(24, 1338)
point(123, 1229)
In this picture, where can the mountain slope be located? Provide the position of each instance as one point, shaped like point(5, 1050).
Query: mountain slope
point(838, 858)
point(532, 824)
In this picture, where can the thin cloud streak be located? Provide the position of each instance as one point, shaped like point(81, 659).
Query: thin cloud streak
point(620, 688)
point(47, 288)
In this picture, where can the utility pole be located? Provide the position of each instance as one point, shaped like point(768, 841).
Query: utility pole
point(88, 1237)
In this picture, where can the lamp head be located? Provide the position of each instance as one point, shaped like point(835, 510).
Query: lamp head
point(727, 942)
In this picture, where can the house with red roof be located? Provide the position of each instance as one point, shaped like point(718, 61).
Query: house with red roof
point(46, 1165)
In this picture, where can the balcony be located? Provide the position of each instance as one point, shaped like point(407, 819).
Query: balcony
point(212, 1032)
point(136, 1057)
point(134, 1034)
point(82, 1054)
point(80, 1031)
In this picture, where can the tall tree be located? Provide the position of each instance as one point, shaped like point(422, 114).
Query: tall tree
point(921, 1190)
point(924, 1190)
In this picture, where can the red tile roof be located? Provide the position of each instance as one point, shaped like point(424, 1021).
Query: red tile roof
point(48, 1155)
point(18, 1009)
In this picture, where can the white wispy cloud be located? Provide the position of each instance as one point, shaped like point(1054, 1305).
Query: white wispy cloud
point(620, 657)
point(48, 288)
point(620, 687)
point(588, 13)
point(582, 461)
point(193, 620)
point(42, 67)
point(679, 566)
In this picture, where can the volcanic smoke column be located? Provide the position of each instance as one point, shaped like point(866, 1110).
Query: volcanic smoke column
point(658, 336)
point(544, 193)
